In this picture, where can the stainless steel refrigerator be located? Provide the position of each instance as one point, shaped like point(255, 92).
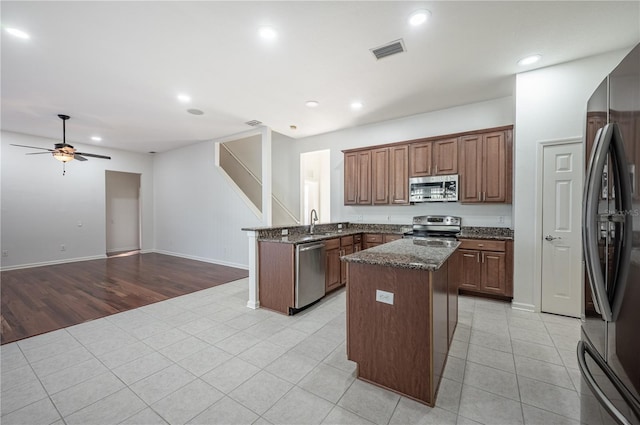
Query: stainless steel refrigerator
point(609, 351)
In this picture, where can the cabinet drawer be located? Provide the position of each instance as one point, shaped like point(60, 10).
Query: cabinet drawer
point(373, 237)
point(483, 245)
point(346, 241)
point(332, 244)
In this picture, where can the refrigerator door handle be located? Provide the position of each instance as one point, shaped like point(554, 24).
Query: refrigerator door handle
point(583, 349)
point(591, 224)
point(624, 205)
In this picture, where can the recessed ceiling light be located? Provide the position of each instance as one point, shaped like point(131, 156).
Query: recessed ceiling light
point(195, 111)
point(312, 103)
point(356, 105)
point(96, 138)
point(293, 127)
point(419, 17)
point(268, 33)
point(529, 60)
point(18, 33)
point(184, 98)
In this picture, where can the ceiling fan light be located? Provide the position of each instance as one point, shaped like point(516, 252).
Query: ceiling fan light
point(63, 156)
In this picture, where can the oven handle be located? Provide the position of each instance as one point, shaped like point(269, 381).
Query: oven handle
point(584, 349)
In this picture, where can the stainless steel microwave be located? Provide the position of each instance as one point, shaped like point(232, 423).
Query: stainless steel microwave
point(433, 188)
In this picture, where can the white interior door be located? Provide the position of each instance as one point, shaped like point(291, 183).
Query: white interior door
point(561, 229)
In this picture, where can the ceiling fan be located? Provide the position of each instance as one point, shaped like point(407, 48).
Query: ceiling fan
point(62, 151)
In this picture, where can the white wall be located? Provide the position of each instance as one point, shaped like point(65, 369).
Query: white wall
point(493, 113)
point(285, 172)
point(551, 104)
point(42, 209)
point(197, 213)
point(122, 211)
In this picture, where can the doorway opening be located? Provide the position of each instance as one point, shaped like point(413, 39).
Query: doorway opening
point(315, 186)
point(123, 229)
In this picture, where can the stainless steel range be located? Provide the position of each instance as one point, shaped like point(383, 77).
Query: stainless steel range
point(437, 229)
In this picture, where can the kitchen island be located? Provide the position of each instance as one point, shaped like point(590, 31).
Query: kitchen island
point(401, 310)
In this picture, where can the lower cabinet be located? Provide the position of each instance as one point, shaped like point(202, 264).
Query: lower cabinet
point(336, 270)
point(375, 239)
point(486, 266)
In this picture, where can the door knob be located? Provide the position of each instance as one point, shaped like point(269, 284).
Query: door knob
point(550, 238)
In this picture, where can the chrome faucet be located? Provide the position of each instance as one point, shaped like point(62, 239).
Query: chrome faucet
point(313, 220)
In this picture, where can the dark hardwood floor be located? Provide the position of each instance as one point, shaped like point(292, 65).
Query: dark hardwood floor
point(42, 299)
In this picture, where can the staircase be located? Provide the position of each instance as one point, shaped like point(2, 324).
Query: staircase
point(247, 183)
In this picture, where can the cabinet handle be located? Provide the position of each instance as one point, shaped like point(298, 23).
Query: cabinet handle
point(480, 244)
point(483, 257)
point(436, 168)
point(478, 257)
point(479, 197)
point(484, 196)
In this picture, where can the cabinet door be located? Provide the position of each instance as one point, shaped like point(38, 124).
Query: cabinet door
point(390, 237)
point(495, 167)
point(333, 276)
point(493, 272)
point(380, 176)
point(350, 178)
point(470, 168)
point(445, 156)
point(420, 157)
point(343, 266)
point(399, 175)
point(364, 178)
point(470, 275)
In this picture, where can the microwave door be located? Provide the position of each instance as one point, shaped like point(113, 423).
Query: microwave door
point(593, 224)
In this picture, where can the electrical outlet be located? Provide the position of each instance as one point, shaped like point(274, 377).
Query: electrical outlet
point(339, 225)
point(79, 223)
point(501, 219)
point(63, 248)
point(360, 218)
point(384, 297)
point(5, 253)
point(285, 232)
point(388, 218)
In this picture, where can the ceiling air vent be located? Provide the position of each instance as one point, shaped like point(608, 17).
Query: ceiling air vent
point(253, 123)
point(389, 49)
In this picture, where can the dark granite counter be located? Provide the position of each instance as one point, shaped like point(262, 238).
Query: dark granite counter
point(300, 234)
point(496, 233)
point(405, 253)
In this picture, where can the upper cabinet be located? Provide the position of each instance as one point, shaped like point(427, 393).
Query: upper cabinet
point(486, 167)
point(432, 158)
point(379, 175)
point(357, 178)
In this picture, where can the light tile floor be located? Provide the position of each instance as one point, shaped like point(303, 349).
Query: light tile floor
point(204, 358)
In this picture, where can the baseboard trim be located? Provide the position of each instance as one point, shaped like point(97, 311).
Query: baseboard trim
point(52, 263)
point(524, 307)
point(205, 260)
point(253, 305)
point(109, 251)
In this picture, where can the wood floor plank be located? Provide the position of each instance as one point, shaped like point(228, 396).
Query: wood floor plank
point(42, 299)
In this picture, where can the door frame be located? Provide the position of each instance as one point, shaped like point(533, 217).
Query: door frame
point(537, 243)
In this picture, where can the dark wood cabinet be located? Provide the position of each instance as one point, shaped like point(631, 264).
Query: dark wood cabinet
point(486, 266)
point(357, 178)
point(486, 167)
point(399, 175)
point(357, 242)
point(438, 157)
point(333, 274)
point(380, 176)
point(420, 159)
point(445, 156)
point(372, 239)
point(336, 270)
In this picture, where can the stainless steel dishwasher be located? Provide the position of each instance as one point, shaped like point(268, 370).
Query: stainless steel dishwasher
point(310, 271)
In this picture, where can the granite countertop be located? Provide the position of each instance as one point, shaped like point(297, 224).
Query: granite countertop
point(306, 237)
point(405, 253)
point(300, 234)
point(496, 233)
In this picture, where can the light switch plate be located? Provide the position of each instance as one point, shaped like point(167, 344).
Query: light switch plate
point(285, 232)
point(384, 297)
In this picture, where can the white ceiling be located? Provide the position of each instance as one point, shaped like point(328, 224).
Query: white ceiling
point(116, 67)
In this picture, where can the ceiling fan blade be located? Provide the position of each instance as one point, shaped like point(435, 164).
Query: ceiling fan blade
point(32, 147)
point(38, 153)
point(91, 155)
point(79, 158)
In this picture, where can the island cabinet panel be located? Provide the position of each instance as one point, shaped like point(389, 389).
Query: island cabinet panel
point(453, 281)
point(276, 287)
point(401, 346)
point(380, 176)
